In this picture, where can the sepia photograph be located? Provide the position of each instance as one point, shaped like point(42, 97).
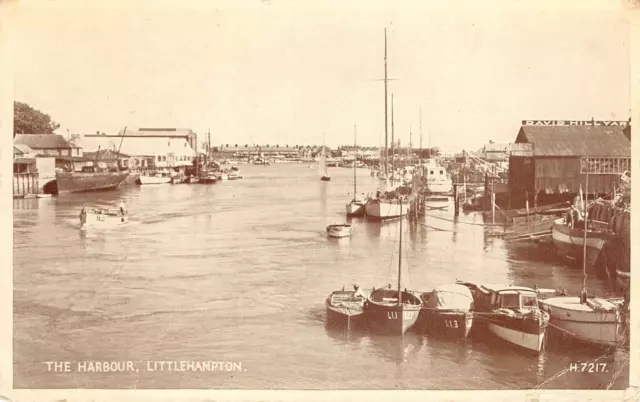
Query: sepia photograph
point(346, 196)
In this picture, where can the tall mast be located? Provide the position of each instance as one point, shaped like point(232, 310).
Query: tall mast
point(420, 158)
point(208, 145)
point(393, 146)
point(410, 139)
point(355, 159)
point(400, 260)
point(586, 219)
point(386, 124)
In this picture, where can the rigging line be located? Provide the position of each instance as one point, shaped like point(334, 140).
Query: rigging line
point(566, 370)
point(617, 374)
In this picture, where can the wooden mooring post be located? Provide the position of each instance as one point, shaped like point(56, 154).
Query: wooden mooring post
point(456, 203)
point(25, 183)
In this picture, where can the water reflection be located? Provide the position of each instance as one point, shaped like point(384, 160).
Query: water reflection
point(396, 349)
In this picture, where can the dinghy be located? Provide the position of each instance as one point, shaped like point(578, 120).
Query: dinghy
point(345, 306)
point(339, 230)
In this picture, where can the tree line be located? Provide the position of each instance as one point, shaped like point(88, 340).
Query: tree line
point(28, 120)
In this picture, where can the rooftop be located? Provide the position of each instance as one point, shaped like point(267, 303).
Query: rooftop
point(22, 148)
point(592, 141)
point(42, 141)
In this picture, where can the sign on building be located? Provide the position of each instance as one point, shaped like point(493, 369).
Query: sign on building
point(621, 123)
point(522, 149)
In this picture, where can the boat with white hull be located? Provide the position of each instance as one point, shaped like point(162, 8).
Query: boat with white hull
point(571, 240)
point(102, 217)
point(437, 178)
point(161, 178)
point(356, 207)
point(596, 321)
point(339, 230)
point(386, 208)
point(511, 313)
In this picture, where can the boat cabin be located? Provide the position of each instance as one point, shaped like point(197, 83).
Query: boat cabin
point(492, 297)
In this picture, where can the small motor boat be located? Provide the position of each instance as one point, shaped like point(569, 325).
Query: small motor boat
point(102, 217)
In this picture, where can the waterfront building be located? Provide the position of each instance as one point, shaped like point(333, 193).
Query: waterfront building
point(144, 151)
point(48, 145)
point(67, 154)
point(361, 152)
point(548, 157)
point(263, 151)
point(163, 132)
point(107, 158)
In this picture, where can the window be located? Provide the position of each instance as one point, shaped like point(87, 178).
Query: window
point(529, 301)
point(604, 165)
point(510, 300)
point(159, 158)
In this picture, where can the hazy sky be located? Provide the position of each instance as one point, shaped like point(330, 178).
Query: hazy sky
point(286, 72)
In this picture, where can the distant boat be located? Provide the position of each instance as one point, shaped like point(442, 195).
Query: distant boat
point(234, 175)
point(89, 179)
point(102, 217)
point(208, 178)
point(446, 311)
point(392, 311)
point(339, 230)
point(356, 207)
point(437, 178)
point(192, 179)
point(160, 177)
point(322, 166)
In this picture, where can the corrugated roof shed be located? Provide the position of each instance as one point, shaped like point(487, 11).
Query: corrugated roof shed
point(592, 141)
point(42, 141)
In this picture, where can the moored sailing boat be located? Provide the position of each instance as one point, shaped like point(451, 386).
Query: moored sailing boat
point(388, 204)
point(322, 165)
point(392, 311)
point(571, 235)
point(590, 319)
point(357, 205)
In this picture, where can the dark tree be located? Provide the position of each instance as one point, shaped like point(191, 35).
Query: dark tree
point(27, 120)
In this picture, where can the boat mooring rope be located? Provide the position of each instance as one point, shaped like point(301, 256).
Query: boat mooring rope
point(451, 220)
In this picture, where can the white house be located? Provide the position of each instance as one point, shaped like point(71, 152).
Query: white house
point(145, 151)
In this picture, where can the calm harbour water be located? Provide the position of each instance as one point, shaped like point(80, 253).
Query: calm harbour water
point(238, 271)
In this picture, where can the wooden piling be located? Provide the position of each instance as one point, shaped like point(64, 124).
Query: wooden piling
point(456, 204)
